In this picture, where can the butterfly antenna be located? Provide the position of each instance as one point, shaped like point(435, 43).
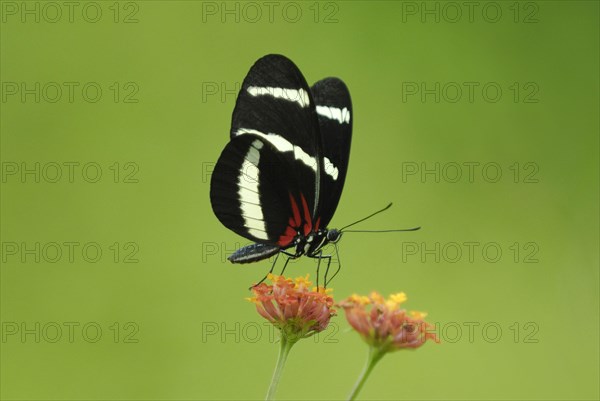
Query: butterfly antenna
point(383, 231)
point(368, 217)
point(378, 231)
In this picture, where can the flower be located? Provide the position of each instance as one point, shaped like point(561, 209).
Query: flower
point(296, 309)
point(384, 325)
point(293, 307)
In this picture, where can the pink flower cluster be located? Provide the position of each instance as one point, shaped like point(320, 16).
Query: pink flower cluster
point(384, 325)
point(293, 306)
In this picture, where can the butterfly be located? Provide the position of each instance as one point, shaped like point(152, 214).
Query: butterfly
point(279, 179)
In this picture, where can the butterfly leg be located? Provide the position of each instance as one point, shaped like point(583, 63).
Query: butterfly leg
point(328, 257)
point(270, 271)
point(319, 256)
point(285, 265)
point(338, 269)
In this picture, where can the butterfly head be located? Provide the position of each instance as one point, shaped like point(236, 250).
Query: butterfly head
point(334, 235)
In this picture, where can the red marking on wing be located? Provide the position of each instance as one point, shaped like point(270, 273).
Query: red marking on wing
point(293, 223)
point(307, 218)
point(287, 237)
point(317, 223)
point(295, 211)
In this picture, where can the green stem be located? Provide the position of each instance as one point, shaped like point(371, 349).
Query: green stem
point(284, 350)
point(374, 356)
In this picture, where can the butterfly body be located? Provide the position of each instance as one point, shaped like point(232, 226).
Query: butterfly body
point(279, 179)
point(309, 245)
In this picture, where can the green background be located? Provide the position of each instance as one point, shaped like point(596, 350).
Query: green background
point(185, 331)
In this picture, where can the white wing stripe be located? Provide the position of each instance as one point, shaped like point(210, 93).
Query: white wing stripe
point(334, 113)
point(248, 192)
point(293, 95)
point(248, 195)
point(330, 169)
point(283, 145)
point(257, 225)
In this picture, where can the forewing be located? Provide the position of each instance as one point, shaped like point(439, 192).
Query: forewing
point(276, 105)
point(334, 110)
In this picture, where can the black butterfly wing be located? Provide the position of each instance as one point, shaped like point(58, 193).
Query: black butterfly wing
point(334, 109)
point(265, 184)
point(275, 103)
point(248, 191)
